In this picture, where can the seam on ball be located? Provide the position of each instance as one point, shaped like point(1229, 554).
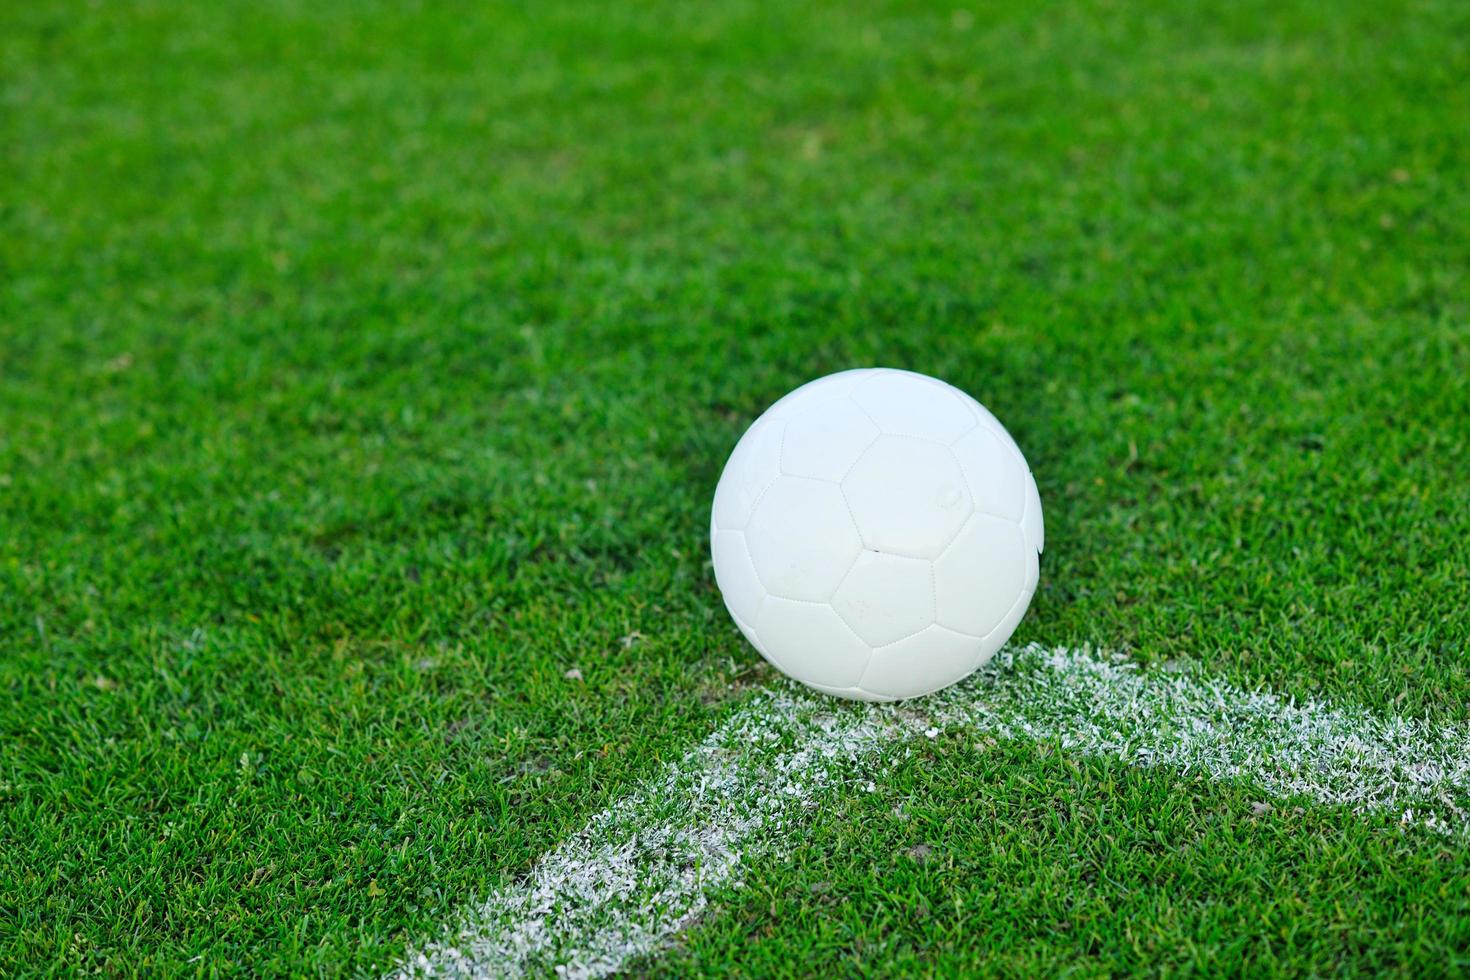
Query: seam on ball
point(976, 419)
point(868, 646)
point(1024, 597)
point(827, 603)
point(857, 458)
point(755, 505)
point(850, 566)
point(974, 424)
point(975, 507)
point(974, 497)
point(748, 630)
point(907, 636)
point(917, 437)
point(869, 415)
point(1026, 509)
point(842, 491)
point(963, 398)
point(867, 666)
point(806, 602)
point(963, 524)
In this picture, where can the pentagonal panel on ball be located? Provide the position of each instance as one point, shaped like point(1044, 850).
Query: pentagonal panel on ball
point(885, 597)
point(995, 473)
point(824, 440)
point(735, 575)
point(802, 539)
point(748, 631)
point(827, 387)
point(1002, 631)
point(922, 663)
point(913, 405)
point(811, 643)
point(979, 577)
point(908, 496)
point(752, 467)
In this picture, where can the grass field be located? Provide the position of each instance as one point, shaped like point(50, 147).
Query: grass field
point(366, 370)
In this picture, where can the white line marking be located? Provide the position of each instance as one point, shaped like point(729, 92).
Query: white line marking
point(643, 869)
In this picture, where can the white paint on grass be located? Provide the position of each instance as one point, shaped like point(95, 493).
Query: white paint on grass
point(644, 869)
point(1102, 705)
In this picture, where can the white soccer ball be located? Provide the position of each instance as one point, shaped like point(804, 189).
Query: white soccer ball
point(876, 534)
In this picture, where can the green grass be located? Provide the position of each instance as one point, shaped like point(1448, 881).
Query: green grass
point(366, 367)
point(976, 858)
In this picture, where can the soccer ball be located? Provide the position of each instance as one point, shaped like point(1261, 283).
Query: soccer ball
point(876, 534)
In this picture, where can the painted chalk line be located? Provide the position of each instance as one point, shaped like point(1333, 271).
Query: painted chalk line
point(642, 870)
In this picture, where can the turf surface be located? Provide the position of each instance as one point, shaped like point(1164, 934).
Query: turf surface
point(365, 368)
